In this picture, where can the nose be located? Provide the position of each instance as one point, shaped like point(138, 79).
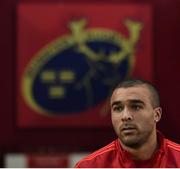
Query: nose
point(126, 115)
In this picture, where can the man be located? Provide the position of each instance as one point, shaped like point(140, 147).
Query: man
point(135, 111)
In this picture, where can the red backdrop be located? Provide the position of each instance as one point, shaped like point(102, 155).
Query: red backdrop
point(36, 27)
point(166, 42)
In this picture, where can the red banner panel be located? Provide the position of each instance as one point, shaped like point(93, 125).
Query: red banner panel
point(71, 56)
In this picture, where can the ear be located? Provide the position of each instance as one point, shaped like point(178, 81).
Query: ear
point(157, 114)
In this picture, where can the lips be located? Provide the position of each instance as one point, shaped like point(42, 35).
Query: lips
point(128, 128)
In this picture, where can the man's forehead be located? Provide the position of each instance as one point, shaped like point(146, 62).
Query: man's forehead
point(130, 93)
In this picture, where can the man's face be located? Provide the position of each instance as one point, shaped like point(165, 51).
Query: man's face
point(133, 116)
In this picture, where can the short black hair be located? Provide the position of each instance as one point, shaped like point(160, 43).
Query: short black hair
point(136, 82)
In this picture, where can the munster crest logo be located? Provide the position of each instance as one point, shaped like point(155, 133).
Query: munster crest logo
point(77, 71)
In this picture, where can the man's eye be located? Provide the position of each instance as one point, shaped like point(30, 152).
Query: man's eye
point(136, 107)
point(118, 108)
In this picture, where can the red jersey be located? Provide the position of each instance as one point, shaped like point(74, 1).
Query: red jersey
point(113, 156)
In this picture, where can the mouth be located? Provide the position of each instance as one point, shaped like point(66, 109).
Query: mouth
point(128, 129)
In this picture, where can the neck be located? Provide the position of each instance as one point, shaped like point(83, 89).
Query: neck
point(145, 151)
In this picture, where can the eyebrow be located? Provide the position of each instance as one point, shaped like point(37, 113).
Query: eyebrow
point(131, 101)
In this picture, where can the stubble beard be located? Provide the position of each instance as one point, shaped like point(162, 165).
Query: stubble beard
point(135, 140)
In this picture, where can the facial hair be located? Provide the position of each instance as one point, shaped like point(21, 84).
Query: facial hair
point(134, 139)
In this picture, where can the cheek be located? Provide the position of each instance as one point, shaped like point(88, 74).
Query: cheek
point(145, 122)
point(116, 120)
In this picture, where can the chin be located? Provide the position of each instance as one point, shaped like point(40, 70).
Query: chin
point(131, 141)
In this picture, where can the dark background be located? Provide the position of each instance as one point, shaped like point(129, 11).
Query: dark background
point(166, 47)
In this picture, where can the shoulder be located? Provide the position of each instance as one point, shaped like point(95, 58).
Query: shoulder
point(91, 159)
point(173, 146)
